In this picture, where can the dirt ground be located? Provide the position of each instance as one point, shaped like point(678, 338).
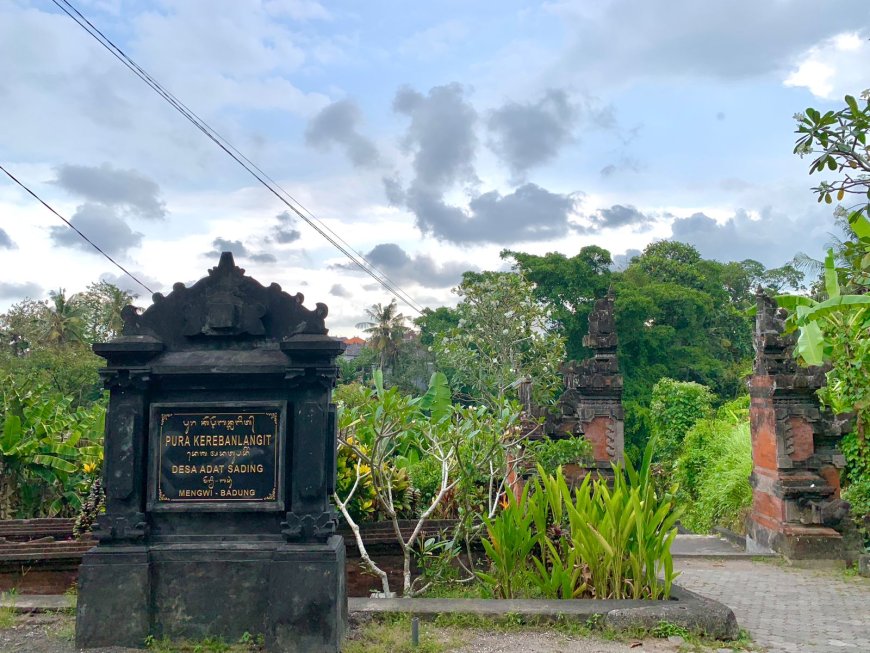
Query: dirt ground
point(537, 642)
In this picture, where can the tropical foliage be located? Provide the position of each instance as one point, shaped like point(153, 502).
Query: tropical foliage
point(597, 542)
point(712, 473)
point(501, 337)
point(386, 438)
point(49, 450)
point(836, 329)
point(677, 315)
point(51, 402)
point(385, 328)
point(675, 407)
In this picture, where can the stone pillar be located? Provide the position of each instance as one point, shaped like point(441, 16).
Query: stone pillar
point(796, 505)
point(592, 402)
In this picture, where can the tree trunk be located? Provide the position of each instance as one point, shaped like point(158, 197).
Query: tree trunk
point(7, 492)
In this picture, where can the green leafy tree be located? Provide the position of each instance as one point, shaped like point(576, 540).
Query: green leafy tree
point(101, 306)
point(677, 315)
point(385, 328)
point(434, 322)
point(675, 408)
point(569, 286)
point(682, 317)
point(837, 140)
point(20, 327)
point(501, 337)
point(837, 328)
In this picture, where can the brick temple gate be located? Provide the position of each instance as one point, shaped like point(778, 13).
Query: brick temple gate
point(796, 505)
point(591, 402)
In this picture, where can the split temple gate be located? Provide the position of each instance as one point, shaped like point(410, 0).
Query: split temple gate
point(796, 505)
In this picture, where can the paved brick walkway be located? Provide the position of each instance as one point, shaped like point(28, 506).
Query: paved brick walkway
point(787, 610)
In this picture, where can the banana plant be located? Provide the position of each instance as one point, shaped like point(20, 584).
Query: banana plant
point(45, 449)
point(813, 318)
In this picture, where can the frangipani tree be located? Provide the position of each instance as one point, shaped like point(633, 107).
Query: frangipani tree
point(386, 429)
point(504, 335)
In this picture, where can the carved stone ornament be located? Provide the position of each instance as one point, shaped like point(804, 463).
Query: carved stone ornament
point(130, 527)
point(308, 527)
point(226, 303)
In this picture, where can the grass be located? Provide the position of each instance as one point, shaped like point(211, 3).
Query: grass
point(7, 613)
point(66, 630)
point(247, 644)
point(694, 644)
point(393, 633)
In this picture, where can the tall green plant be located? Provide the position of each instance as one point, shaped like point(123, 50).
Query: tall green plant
point(598, 541)
point(508, 544)
point(713, 470)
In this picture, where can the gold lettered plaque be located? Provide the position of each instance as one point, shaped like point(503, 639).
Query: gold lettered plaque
point(216, 454)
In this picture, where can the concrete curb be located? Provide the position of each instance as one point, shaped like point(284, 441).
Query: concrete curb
point(687, 609)
point(708, 547)
point(37, 602)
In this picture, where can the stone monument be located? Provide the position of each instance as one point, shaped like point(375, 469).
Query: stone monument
point(219, 463)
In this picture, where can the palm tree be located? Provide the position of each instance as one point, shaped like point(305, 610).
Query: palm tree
point(385, 328)
point(63, 320)
point(114, 302)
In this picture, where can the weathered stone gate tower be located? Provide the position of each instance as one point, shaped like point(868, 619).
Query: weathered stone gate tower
point(796, 506)
point(591, 404)
point(219, 463)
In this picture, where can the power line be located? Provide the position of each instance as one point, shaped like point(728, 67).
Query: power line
point(255, 171)
point(74, 228)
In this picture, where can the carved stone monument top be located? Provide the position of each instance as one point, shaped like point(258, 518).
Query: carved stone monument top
point(226, 304)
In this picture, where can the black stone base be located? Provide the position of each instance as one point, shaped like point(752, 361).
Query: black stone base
point(307, 598)
point(795, 542)
point(293, 594)
point(114, 592)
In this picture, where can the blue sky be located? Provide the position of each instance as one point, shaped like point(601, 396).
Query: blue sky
point(429, 135)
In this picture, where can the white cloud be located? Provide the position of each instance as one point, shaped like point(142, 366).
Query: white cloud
point(835, 67)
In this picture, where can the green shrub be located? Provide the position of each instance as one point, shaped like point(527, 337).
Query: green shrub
point(49, 450)
point(552, 453)
point(702, 445)
point(675, 407)
point(426, 477)
point(857, 481)
point(713, 471)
